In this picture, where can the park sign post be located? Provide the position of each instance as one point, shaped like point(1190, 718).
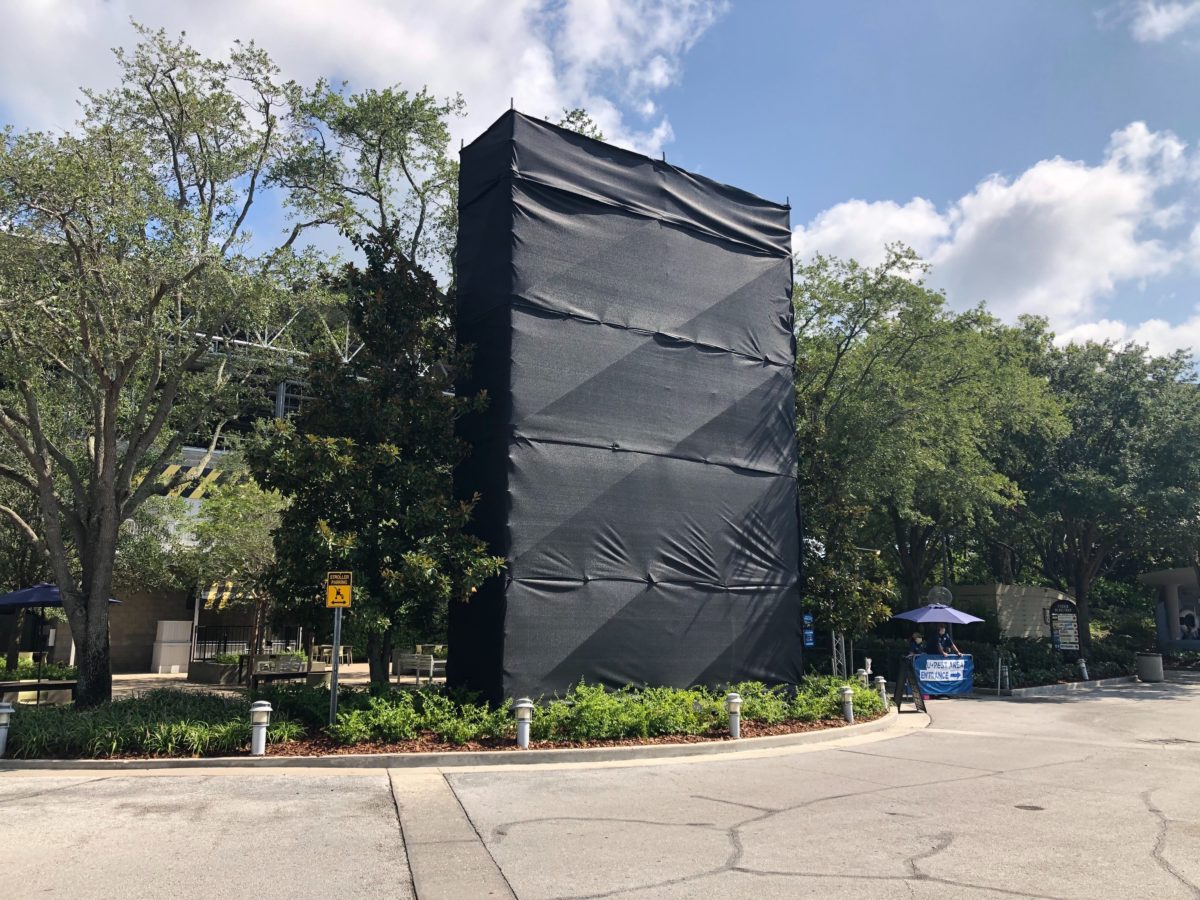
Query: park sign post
point(339, 589)
point(1064, 626)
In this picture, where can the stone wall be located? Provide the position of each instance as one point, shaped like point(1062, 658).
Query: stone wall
point(1017, 608)
point(134, 621)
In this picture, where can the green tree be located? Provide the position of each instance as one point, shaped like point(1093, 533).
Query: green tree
point(367, 464)
point(960, 401)
point(1122, 478)
point(579, 120)
point(900, 402)
point(380, 169)
point(839, 306)
point(152, 544)
point(234, 533)
point(849, 592)
point(135, 307)
point(22, 563)
point(233, 540)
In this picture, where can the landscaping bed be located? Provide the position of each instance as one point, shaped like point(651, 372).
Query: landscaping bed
point(168, 723)
point(430, 743)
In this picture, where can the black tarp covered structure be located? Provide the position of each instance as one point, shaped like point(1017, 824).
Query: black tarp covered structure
point(632, 327)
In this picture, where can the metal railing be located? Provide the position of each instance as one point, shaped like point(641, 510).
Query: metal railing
point(211, 640)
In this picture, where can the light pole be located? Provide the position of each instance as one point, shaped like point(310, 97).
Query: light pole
point(260, 718)
point(523, 709)
point(733, 706)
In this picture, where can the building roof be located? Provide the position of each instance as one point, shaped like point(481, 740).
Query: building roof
point(1184, 577)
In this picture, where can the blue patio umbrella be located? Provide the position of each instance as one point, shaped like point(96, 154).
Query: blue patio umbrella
point(38, 596)
point(938, 614)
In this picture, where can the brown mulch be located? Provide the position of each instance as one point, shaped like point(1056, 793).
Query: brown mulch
point(428, 743)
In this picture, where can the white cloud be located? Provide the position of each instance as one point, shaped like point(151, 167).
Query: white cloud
point(1160, 336)
point(1056, 240)
point(606, 55)
point(1151, 21)
point(639, 42)
point(858, 229)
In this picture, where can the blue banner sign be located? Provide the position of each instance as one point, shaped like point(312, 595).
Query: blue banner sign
point(942, 675)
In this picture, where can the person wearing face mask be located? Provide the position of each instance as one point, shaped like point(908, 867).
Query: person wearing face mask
point(916, 644)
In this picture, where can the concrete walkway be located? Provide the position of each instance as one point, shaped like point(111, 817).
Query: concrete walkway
point(1095, 794)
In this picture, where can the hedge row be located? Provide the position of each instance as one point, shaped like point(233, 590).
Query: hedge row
point(189, 723)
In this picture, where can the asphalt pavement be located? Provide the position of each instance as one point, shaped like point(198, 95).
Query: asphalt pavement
point(1091, 795)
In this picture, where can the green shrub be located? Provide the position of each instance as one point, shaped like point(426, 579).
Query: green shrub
point(350, 727)
point(227, 659)
point(806, 707)
point(403, 715)
point(309, 705)
point(592, 713)
point(28, 671)
point(158, 723)
point(284, 731)
point(550, 722)
point(178, 723)
point(600, 714)
point(760, 703)
point(671, 711)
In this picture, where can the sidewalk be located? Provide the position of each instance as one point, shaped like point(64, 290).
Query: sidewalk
point(986, 802)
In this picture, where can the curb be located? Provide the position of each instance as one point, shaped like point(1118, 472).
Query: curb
point(465, 758)
point(1052, 690)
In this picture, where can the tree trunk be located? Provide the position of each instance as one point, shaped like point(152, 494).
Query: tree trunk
point(913, 558)
point(1001, 561)
point(94, 664)
point(87, 614)
point(911, 583)
point(259, 627)
point(379, 651)
point(1082, 588)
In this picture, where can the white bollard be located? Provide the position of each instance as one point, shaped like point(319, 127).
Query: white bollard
point(523, 709)
point(881, 686)
point(6, 711)
point(862, 677)
point(733, 706)
point(260, 718)
point(1083, 673)
point(848, 704)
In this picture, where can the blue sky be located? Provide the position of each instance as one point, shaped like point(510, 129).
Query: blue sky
point(828, 103)
point(1041, 153)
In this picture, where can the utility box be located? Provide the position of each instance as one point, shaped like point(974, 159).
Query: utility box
point(172, 647)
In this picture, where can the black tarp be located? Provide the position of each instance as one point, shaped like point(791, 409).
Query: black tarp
point(632, 326)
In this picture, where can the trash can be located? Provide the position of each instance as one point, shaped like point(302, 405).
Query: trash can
point(1149, 667)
